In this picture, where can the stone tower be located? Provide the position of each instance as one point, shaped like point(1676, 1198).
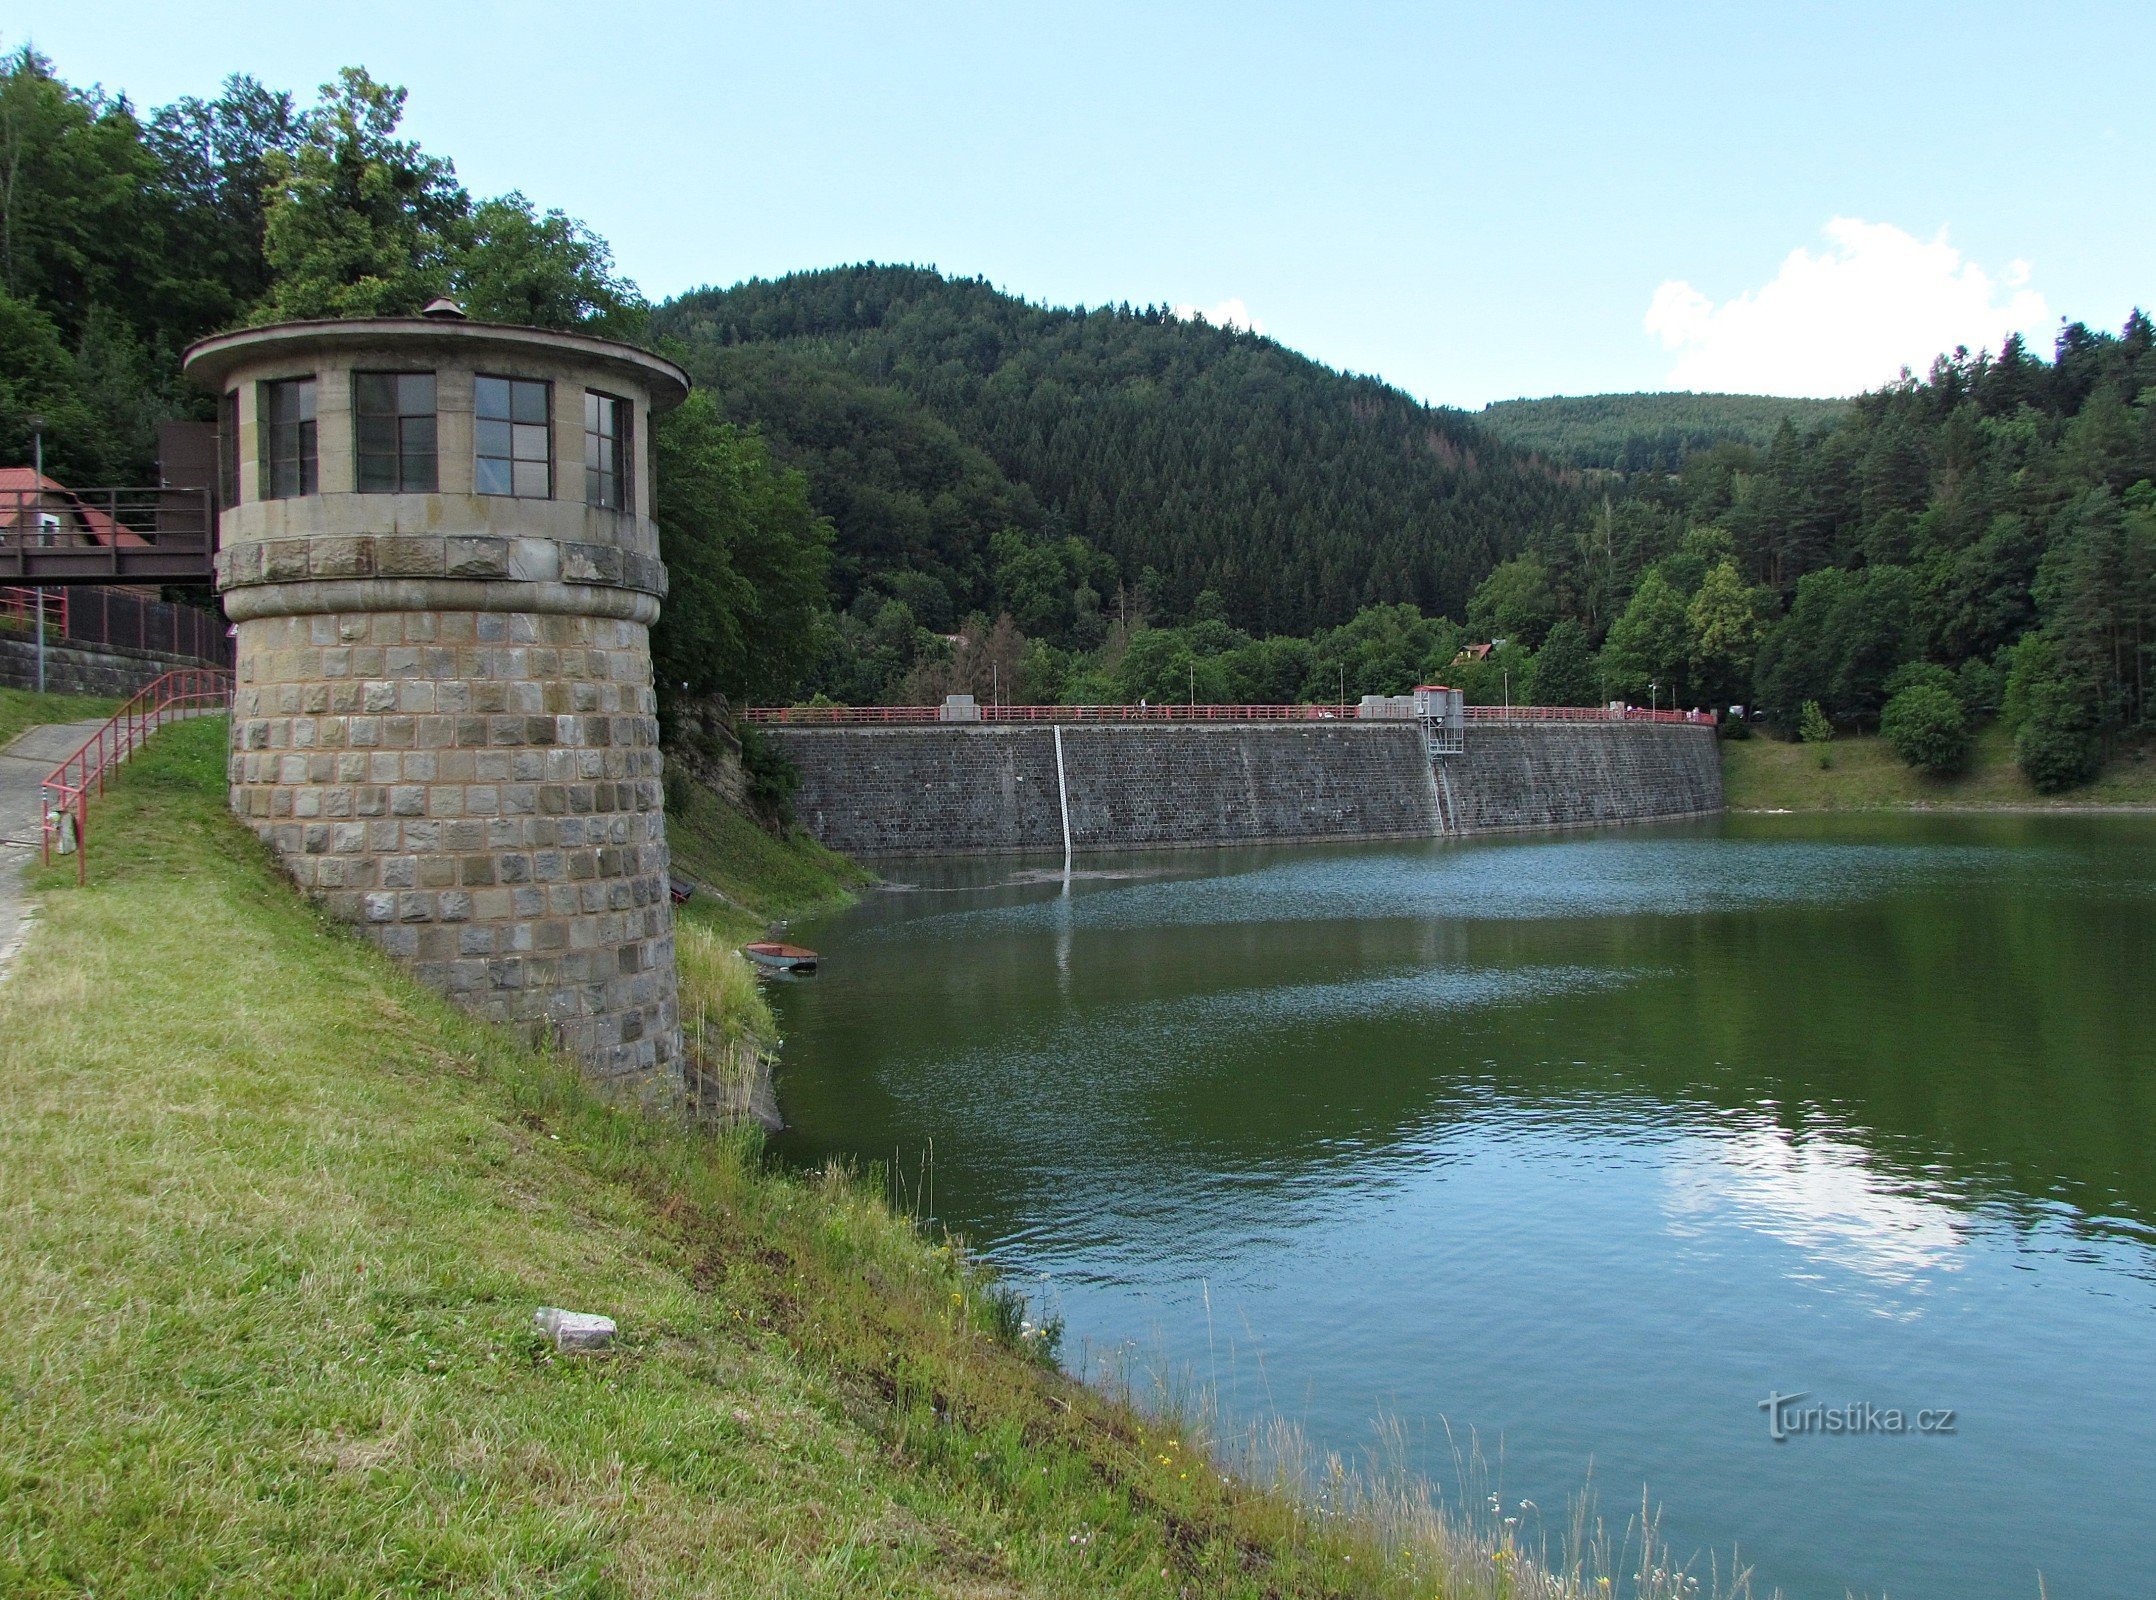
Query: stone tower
point(436, 543)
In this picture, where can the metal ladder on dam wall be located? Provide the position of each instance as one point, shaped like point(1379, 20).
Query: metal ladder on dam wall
point(1448, 811)
point(1443, 716)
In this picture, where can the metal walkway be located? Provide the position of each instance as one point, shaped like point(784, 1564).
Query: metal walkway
point(50, 535)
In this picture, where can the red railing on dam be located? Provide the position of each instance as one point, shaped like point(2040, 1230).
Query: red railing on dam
point(1584, 714)
point(851, 716)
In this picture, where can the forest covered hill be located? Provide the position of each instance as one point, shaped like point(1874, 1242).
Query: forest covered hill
point(932, 413)
point(1647, 432)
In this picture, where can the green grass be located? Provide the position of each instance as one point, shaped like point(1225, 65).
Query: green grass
point(726, 1026)
point(746, 878)
point(276, 1221)
point(759, 877)
point(1762, 774)
point(23, 708)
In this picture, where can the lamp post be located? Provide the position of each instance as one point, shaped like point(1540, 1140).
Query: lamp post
point(37, 467)
point(1654, 691)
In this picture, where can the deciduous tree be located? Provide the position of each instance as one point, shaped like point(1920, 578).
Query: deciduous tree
point(1650, 644)
point(1565, 672)
point(359, 223)
point(1928, 729)
point(1723, 620)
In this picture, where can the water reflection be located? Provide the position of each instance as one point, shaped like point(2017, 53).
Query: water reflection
point(1822, 1197)
point(1585, 1142)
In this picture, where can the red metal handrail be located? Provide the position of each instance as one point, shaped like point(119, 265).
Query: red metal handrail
point(31, 606)
point(841, 716)
point(1583, 714)
point(187, 692)
point(811, 716)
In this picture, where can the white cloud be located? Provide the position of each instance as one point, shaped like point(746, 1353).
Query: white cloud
point(1849, 318)
point(1231, 313)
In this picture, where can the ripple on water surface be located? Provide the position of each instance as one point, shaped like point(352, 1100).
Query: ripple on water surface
point(1586, 1144)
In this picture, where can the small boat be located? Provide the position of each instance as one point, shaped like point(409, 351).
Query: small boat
point(781, 957)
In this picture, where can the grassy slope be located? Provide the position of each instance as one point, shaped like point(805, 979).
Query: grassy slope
point(20, 709)
point(276, 1221)
point(759, 877)
point(1766, 774)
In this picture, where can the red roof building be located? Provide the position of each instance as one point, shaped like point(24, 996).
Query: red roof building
point(36, 510)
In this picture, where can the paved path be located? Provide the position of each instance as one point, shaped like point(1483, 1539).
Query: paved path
point(23, 766)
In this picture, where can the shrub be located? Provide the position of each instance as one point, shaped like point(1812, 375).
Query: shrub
point(1927, 727)
point(2057, 745)
point(773, 778)
point(1814, 729)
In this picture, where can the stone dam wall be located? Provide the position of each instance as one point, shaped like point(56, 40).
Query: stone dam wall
point(1566, 775)
point(963, 789)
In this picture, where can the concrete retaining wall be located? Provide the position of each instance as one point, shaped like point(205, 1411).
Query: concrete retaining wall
point(974, 789)
point(70, 669)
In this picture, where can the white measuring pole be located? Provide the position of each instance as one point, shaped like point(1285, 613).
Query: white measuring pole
point(1063, 798)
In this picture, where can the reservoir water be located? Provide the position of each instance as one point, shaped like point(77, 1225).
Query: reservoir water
point(1584, 1146)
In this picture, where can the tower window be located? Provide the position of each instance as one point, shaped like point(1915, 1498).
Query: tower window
point(513, 448)
point(609, 477)
point(285, 411)
point(393, 429)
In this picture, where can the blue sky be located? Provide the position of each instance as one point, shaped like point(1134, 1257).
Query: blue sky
point(1475, 202)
